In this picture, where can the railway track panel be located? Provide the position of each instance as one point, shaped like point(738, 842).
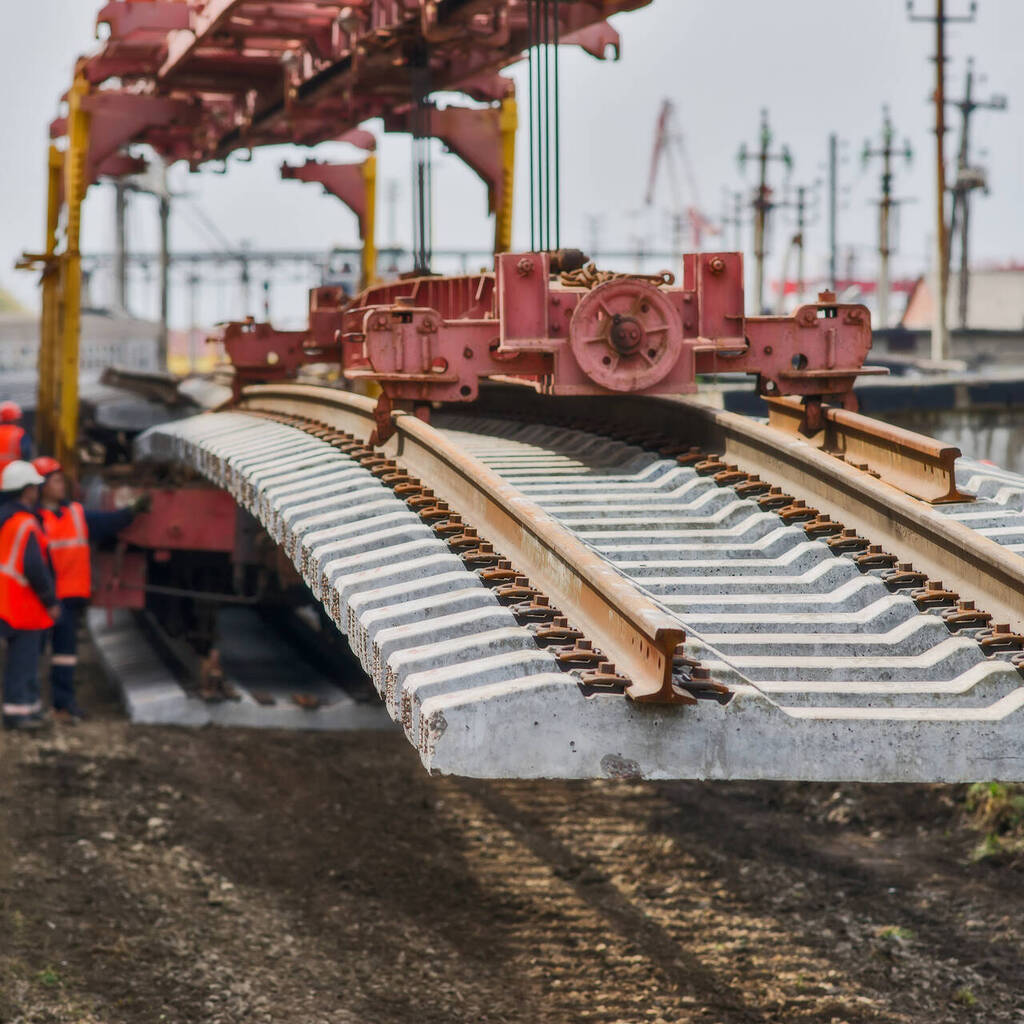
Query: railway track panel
point(968, 561)
point(832, 674)
point(997, 512)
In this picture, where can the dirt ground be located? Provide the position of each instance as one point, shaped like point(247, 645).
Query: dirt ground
point(152, 875)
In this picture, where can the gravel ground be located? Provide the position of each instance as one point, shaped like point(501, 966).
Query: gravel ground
point(210, 876)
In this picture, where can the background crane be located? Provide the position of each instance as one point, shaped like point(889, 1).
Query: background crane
point(688, 223)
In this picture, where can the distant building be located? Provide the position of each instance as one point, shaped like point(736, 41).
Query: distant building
point(105, 341)
point(995, 301)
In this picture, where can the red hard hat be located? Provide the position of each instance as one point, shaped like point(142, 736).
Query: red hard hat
point(10, 412)
point(45, 465)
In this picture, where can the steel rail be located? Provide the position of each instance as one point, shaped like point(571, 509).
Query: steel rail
point(947, 550)
point(632, 630)
point(920, 466)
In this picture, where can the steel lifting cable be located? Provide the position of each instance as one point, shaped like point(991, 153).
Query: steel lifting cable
point(558, 130)
point(530, 7)
point(544, 33)
point(421, 117)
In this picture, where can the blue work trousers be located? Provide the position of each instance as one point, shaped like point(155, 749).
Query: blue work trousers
point(64, 640)
point(21, 672)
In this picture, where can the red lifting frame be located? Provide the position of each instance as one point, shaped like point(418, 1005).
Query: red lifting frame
point(199, 79)
point(433, 339)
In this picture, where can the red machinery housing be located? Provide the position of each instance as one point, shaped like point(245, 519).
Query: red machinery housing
point(564, 332)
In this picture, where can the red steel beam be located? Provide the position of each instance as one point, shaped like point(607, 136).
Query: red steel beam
point(346, 182)
point(258, 72)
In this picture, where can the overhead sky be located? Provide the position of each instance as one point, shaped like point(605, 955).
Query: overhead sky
point(817, 65)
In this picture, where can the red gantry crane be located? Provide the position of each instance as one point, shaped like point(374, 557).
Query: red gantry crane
point(198, 80)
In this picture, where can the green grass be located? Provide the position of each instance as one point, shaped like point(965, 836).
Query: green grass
point(965, 997)
point(997, 809)
point(48, 977)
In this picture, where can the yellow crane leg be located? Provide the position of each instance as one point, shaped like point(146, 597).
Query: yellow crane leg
point(49, 322)
point(368, 274)
point(75, 186)
point(503, 209)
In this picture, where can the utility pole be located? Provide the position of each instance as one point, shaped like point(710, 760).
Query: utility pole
point(805, 196)
point(594, 224)
point(833, 205)
point(678, 229)
point(851, 263)
point(762, 202)
point(245, 280)
point(164, 202)
point(154, 183)
point(798, 238)
point(940, 332)
point(886, 151)
point(967, 180)
point(640, 253)
point(192, 355)
point(734, 219)
point(391, 198)
point(120, 246)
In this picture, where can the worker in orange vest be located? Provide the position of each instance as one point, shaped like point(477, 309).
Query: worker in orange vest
point(28, 599)
point(68, 529)
point(15, 442)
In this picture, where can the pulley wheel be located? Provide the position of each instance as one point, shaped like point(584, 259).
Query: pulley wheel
point(626, 335)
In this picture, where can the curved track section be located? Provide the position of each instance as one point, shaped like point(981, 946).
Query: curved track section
point(805, 626)
point(833, 677)
point(998, 509)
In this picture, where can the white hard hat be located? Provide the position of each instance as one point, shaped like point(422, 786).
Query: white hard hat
point(18, 475)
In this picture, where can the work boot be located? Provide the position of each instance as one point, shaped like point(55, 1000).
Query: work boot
point(24, 723)
point(68, 716)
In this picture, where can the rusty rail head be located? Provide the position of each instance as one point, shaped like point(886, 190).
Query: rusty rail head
point(631, 630)
point(919, 466)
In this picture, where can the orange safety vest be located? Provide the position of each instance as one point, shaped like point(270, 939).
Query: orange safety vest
point(10, 443)
point(68, 540)
point(20, 608)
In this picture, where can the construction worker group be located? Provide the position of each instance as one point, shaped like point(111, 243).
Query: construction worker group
point(45, 576)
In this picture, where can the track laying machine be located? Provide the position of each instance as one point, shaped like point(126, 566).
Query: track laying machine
point(547, 564)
